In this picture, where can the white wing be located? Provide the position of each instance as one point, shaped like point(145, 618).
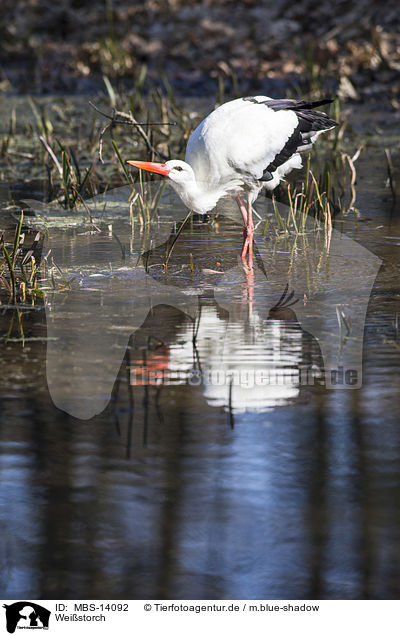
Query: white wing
point(241, 137)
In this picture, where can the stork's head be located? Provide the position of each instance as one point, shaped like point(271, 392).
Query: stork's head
point(177, 171)
point(183, 180)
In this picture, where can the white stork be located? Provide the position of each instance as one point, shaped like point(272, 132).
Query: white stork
point(239, 148)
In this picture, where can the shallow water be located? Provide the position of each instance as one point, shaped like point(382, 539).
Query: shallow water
point(182, 441)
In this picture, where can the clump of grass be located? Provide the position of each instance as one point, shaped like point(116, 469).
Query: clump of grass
point(10, 135)
point(18, 272)
point(333, 192)
point(62, 283)
point(73, 184)
point(43, 122)
point(146, 202)
point(141, 196)
point(390, 178)
point(171, 245)
point(313, 199)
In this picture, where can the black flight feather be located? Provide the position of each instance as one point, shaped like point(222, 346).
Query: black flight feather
point(310, 122)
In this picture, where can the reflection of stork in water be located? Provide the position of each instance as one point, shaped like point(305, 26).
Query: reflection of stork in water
point(282, 311)
point(237, 372)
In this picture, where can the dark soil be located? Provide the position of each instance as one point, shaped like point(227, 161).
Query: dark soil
point(346, 48)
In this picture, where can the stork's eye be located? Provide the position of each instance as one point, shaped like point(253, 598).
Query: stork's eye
point(178, 168)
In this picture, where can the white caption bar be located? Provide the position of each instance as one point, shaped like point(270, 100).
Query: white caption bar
point(194, 617)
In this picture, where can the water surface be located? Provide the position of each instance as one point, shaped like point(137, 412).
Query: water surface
point(196, 479)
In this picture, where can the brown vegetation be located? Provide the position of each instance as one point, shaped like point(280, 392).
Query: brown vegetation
point(308, 46)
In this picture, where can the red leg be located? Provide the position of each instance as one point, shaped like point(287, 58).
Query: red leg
point(242, 208)
point(247, 233)
point(250, 232)
point(245, 247)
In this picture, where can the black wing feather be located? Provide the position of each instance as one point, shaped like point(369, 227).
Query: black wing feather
point(292, 145)
point(309, 122)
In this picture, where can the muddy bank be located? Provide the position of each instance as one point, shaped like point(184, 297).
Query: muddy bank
point(347, 48)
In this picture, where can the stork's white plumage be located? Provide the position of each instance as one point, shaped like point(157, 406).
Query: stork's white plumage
point(241, 147)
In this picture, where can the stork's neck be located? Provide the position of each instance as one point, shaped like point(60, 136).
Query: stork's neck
point(197, 196)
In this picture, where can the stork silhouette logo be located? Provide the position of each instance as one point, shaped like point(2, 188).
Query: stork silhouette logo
point(26, 615)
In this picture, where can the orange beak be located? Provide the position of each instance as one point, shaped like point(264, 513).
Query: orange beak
point(150, 166)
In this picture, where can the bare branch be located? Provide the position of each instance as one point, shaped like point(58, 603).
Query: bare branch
point(129, 120)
